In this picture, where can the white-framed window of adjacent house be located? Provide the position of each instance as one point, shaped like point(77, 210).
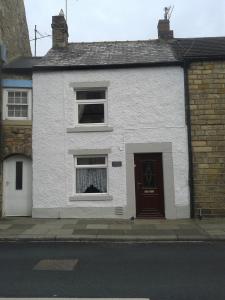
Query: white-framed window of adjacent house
point(91, 174)
point(16, 104)
point(91, 106)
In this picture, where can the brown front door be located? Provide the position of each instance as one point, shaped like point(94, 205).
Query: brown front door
point(149, 185)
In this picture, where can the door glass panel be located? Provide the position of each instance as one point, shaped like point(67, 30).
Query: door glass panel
point(19, 175)
point(148, 173)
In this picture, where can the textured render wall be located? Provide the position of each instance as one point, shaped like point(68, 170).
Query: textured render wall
point(207, 99)
point(13, 28)
point(144, 106)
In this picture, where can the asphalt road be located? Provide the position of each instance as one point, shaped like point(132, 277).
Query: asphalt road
point(158, 271)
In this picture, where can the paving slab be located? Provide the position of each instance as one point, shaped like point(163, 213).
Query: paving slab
point(111, 232)
point(192, 238)
point(97, 226)
point(21, 226)
point(166, 227)
point(144, 226)
point(69, 226)
point(61, 232)
point(120, 226)
point(85, 231)
point(5, 226)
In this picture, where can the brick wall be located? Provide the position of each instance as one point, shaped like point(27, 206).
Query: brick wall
point(207, 103)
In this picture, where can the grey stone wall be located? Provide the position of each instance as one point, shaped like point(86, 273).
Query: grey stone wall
point(13, 28)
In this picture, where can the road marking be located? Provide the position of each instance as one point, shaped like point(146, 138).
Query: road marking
point(56, 265)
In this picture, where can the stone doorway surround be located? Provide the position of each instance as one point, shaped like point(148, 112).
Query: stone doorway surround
point(168, 175)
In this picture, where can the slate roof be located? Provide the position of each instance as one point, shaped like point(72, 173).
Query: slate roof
point(124, 53)
point(109, 54)
point(199, 48)
point(21, 64)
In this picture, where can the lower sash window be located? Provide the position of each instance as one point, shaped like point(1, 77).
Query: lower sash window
point(91, 174)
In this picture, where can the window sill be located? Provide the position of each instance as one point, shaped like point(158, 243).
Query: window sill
point(90, 129)
point(16, 122)
point(88, 197)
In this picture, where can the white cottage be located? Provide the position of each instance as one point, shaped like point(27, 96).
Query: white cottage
point(109, 131)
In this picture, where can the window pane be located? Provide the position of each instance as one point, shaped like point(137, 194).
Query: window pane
point(24, 97)
point(24, 112)
point(11, 100)
point(11, 97)
point(17, 100)
point(90, 160)
point(19, 175)
point(17, 109)
point(91, 113)
point(11, 110)
point(10, 113)
point(91, 180)
point(11, 94)
point(88, 95)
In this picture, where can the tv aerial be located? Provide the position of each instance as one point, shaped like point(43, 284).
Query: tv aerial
point(168, 12)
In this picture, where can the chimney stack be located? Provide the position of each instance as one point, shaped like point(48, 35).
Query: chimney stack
point(164, 31)
point(59, 31)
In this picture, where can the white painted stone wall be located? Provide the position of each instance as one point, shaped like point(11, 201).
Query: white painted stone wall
point(145, 105)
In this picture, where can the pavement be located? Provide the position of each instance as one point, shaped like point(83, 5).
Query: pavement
point(28, 229)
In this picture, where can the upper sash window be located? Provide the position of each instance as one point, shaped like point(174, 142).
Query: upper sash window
point(91, 106)
point(17, 104)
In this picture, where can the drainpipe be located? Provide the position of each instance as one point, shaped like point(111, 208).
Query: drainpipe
point(188, 123)
point(1, 161)
point(1, 65)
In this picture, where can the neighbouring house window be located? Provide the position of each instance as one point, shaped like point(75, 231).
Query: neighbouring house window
point(91, 174)
point(17, 104)
point(91, 106)
point(19, 175)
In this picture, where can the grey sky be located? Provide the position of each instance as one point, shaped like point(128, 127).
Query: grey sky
point(98, 20)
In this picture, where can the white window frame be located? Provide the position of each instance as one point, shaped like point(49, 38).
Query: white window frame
point(91, 101)
point(5, 103)
point(99, 166)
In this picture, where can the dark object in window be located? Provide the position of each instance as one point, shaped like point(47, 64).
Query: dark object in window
point(92, 189)
point(91, 113)
point(19, 175)
point(90, 95)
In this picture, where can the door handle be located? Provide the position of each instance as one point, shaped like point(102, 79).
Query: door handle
point(139, 185)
